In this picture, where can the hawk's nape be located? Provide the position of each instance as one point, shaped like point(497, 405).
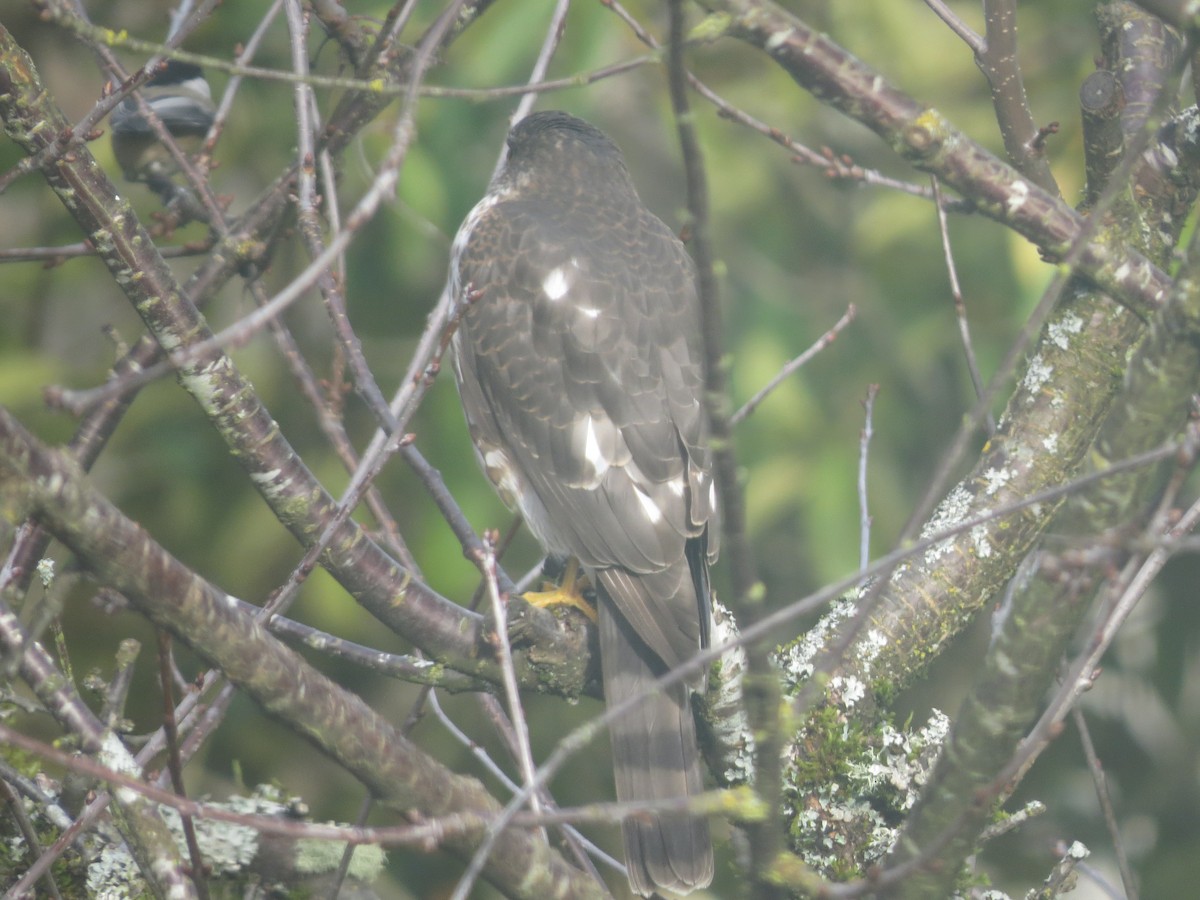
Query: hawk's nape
point(579, 363)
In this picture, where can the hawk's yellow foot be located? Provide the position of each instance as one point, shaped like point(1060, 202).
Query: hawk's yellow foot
point(568, 593)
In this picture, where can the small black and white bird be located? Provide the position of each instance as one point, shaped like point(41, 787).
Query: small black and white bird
point(181, 98)
point(580, 368)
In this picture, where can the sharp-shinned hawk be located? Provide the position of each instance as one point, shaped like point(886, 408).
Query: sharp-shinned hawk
point(580, 368)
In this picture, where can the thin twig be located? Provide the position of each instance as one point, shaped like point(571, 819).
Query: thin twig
point(960, 307)
point(554, 34)
point(834, 165)
point(516, 712)
point(33, 847)
point(969, 36)
point(1105, 799)
point(175, 763)
point(247, 52)
point(762, 689)
point(820, 344)
point(864, 509)
point(1080, 675)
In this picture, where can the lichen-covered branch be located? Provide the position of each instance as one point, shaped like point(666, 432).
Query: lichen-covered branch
point(139, 822)
point(1078, 399)
point(1042, 619)
point(339, 723)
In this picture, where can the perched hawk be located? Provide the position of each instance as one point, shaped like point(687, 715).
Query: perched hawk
point(579, 364)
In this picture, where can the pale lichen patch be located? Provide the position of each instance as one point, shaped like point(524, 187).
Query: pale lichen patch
point(952, 511)
point(1059, 332)
point(795, 661)
point(980, 543)
point(845, 819)
point(1037, 374)
point(847, 690)
point(995, 479)
point(1017, 196)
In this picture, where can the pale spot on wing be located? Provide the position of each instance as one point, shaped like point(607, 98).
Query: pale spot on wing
point(712, 495)
point(590, 311)
point(556, 283)
point(591, 449)
point(500, 471)
point(676, 486)
point(649, 507)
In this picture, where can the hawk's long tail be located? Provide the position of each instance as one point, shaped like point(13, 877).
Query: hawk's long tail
point(654, 758)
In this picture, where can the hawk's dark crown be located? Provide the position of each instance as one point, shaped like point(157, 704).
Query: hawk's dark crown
point(554, 151)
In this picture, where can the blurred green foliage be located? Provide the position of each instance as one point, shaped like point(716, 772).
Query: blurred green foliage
point(795, 248)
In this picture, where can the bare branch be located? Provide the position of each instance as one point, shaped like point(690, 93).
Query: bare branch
point(928, 141)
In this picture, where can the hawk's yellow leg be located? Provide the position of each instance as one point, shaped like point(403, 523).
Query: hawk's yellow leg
point(568, 593)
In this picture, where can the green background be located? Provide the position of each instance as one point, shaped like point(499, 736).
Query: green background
point(795, 248)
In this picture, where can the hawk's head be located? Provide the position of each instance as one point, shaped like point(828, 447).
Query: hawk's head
point(556, 152)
